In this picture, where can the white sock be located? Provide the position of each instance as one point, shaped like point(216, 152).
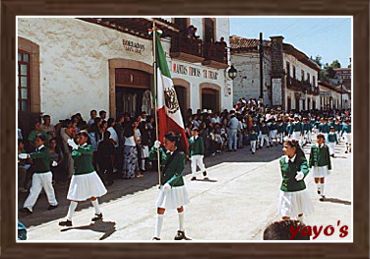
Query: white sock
point(96, 206)
point(71, 210)
point(181, 221)
point(300, 218)
point(322, 189)
point(143, 164)
point(318, 187)
point(158, 225)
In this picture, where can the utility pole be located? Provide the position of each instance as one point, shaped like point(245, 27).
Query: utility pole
point(261, 66)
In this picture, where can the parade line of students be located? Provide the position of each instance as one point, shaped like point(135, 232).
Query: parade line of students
point(293, 132)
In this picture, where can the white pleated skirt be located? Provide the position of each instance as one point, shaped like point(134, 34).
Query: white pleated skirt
point(291, 204)
point(296, 135)
point(347, 137)
point(320, 171)
point(144, 152)
point(85, 186)
point(331, 146)
point(173, 198)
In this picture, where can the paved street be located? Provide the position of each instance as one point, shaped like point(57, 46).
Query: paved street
point(236, 203)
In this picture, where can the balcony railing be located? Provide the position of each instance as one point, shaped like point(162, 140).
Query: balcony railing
point(216, 51)
point(302, 86)
point(181, 43)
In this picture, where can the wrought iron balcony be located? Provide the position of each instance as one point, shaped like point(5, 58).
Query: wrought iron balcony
point(186, 48)
point(215, 55)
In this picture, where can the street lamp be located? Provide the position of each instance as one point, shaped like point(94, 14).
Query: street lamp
point(341, 94)
point(232, 72)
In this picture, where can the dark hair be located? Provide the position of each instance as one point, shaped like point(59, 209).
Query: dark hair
point(320, 136)
point(92, 111)
point(281, 230)
point(106, 135)
point(299, 152)
point(40, 136)
point(110, 122)
point(45, 117)
point(102, 112)
point(171, 136)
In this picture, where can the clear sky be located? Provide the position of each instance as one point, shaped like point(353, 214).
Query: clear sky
point(328, 37)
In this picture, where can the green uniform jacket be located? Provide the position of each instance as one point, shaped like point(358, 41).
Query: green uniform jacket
point(41, 160)
point(289, 172)
point(196, 146)
point(83, 160)
point(346, 128)
point(173, 164)
point(320, 156)
point(332, 137)
point(324, 128)
point(307, 127)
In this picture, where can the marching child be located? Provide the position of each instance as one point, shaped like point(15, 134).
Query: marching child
point(332, 140)
point(196, 153)
point(281, 131)
point(85, 183)
point(320, 162)
point(172, 194)
point(346, 135)
point(42, 178)
point(253, 141)
point(294, 200)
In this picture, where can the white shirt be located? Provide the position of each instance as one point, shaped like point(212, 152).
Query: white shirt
point(113, 135)
point(287, 159)
point(130, 141)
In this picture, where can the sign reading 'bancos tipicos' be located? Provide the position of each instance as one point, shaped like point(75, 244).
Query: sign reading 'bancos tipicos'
point(133, 46)
point(193, 71)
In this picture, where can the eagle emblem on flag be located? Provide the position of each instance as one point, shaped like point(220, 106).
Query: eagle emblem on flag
point(171, 101)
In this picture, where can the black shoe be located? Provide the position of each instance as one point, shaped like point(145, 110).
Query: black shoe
point(346, 152)
point(66, 223)
point(51, 207)
point(318, 192)
point(181, 236)
point(156, 238)
point(322, 198)
point(193, 179)
point(252, 153)
point(204, 173)
point(97, 217)
point(27, 211)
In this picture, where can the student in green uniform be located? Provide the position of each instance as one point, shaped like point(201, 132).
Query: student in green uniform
point(253, 141)
point(320, 161)
point(42, 178)
point(294, 200)
point(346, 135)
point(85, 183)
point(332, 141)
point(172, 194)
point(196, 153)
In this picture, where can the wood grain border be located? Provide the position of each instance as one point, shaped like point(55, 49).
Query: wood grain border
point(358, 8)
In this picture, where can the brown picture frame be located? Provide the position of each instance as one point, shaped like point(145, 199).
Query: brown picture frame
point(358, 249)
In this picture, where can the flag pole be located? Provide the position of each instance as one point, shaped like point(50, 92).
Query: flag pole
point(156, 97)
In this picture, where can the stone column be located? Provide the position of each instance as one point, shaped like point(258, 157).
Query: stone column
point(277, 73)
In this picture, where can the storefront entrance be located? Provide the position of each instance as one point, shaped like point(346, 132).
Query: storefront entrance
point(210, 99)
point(132, 91)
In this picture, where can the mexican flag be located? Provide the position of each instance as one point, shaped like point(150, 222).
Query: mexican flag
point(168, 109)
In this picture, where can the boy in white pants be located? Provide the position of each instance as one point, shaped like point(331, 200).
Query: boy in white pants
point(332, 141)
point(253, 141)
point(196, 152)
point(42, 178)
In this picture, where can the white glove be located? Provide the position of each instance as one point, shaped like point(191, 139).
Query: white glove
point(299, 176)
point(157, 144)
point(72, 144)
point(23, 156)
point(54, 164)
point(166, 187)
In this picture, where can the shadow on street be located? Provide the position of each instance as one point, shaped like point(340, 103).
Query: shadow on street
point(106, 227)
point(123, 187)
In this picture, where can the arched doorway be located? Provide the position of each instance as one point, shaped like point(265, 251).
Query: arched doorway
point(182, 88)
point(210, 97)
point(130, 83)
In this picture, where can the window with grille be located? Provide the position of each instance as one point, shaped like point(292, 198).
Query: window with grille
point(24, 99)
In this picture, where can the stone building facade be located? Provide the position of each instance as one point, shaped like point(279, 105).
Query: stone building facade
point(289, 76)
point(70, 65)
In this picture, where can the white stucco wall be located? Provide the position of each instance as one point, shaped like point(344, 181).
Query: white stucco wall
point(247, 65)
point(74, 73)
point(299, 66)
